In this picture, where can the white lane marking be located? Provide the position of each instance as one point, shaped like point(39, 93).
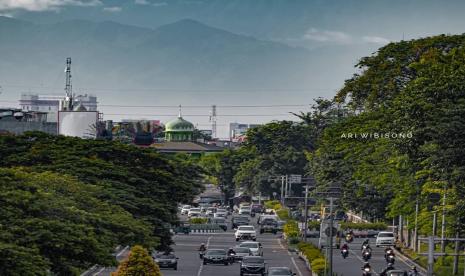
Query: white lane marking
point(292, 259)
point(201, 263)
point(122, 251)
point(361, 260)
point(100, 271)
point(296, 267)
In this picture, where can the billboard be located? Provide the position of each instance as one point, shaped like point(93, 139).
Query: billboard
point(82, 124)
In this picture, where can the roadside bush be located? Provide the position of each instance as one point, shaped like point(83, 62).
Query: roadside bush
point(198, 220)
point(291, 229)
point(310, 251)
point(363, 226)
point(283, 214)
point(269, 204)
point(277, 207)
point(314, 225)
point(318, 266)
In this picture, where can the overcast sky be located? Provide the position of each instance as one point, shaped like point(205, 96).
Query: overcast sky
point(356, 27)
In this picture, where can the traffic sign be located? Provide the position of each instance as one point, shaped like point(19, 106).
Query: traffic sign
point(295, 178)
point(327, 230)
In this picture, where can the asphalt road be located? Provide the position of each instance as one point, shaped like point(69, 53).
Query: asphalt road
point(190, 264)
point(351, 266)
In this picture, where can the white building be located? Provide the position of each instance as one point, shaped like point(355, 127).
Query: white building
point(237, 130)
point(50, 103)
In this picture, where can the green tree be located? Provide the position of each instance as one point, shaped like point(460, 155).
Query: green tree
point(138, 263)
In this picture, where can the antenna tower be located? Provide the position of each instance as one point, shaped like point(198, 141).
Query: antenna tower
point(213, 121)
point(68, 87)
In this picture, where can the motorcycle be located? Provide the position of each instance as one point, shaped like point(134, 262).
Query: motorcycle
point(366, 255)
point(366, 271)
point(387, 269)
point(349, 238)
point(232, 257)
point(344, 253)
point(390, 259)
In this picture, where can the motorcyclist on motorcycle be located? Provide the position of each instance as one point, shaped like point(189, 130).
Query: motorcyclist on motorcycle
point(413, 271)
point(345, 250)
point(366, 244)
point(231, 251)
point(389, 267)
point(366, 268)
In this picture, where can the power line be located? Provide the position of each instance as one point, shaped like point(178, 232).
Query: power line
point(195, 115)
point(206, 106)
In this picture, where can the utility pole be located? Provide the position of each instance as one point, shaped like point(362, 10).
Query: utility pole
point(430, 256)
point(306, 213)
point(443, 223)
point(282, 190)
point(331, 221)
point(434, 222)
point(415, 241)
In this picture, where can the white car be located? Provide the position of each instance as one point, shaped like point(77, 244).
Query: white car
point(210, 211)
point(245, 232)
point(194, 212)
point(255, 248)
point(221, 213)
point(185, 209)
point(385, 239)
point(244, 211)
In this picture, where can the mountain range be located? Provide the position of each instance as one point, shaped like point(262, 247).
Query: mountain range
point(187, 55)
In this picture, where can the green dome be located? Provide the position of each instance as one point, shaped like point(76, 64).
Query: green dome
point(179, 125)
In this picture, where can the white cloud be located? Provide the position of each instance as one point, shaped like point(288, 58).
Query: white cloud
point(112, 9)
point(44, 5)
point(327, 36)
point(155, 4)
point(142, 2)
point(337, 37)
point(375, 39)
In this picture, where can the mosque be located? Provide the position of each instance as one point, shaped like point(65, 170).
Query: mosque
point(179, 138)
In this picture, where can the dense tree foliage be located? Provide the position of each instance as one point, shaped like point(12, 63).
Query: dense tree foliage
point(276, 148)
point(67, 202)
point(411, 87)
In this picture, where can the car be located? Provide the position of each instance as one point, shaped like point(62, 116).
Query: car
point(194, 212)
point(185, 209)
point(269, 226)
point(385, 239)
point(245, 232)
point(242, 252)
point(220, 221)
point(221, 213)
point(253, 265)
point(244, 211)
point(261, 218)
point(166, 260)
point(280, 271)
point(257, 208)
point(238, 221)
point(280, 226)
point(216, 256)
point(211, 211)
point(255, 247)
